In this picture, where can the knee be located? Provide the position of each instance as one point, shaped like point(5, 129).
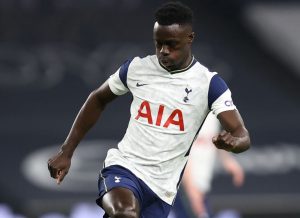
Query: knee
point(124, 212)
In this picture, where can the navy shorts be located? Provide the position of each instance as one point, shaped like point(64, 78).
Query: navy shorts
point(151, 206)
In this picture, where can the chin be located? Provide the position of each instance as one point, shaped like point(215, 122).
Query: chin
point(170, 67)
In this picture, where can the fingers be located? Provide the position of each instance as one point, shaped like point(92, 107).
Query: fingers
point(224, 141)
point(226, 137)
point(52, 170)
point(61, 176)
point(220, 136)
point(56, 172)
point(214, 139)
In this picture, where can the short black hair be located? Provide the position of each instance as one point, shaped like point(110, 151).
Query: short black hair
point(174, 12)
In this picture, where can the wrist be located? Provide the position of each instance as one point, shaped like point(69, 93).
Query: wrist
point(67, 150)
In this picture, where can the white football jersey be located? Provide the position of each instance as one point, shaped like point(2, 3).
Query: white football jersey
point(167, 112)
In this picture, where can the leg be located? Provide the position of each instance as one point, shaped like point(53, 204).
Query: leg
point(121, 203)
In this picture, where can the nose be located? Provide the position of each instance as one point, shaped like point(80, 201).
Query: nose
point(164, 50)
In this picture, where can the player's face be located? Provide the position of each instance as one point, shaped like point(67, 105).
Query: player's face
point(173, 45)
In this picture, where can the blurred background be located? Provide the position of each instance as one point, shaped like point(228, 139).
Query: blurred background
point(53, 53)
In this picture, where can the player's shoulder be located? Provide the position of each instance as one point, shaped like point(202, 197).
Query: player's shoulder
point(204, 70)
point(201, 74)
point(145, 62)
point(149, 59)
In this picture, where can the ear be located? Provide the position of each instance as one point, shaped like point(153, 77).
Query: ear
point(191, 37)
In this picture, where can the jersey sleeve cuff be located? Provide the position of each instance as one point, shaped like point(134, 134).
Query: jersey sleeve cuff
point(116, 86)
point(223, 103)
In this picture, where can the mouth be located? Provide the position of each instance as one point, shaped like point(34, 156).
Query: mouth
point(165, 62)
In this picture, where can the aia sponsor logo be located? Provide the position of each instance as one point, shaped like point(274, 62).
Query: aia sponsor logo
point(175, 118)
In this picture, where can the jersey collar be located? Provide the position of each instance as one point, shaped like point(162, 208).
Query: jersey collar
point(193, 61)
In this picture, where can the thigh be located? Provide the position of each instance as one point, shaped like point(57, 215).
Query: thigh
point(120, 200)
point(119, 192)
point(118, 177)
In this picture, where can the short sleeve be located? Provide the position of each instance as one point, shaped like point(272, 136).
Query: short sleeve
point(219, 96)
point(118, 81)
point(223, 103)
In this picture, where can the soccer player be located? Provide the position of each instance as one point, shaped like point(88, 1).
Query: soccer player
point(172, 95)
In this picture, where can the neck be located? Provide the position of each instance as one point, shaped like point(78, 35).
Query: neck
point(186, 62)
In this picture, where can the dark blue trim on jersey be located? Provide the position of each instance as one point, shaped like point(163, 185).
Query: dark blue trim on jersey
point(217, 87)
point(180, 178)
point(123, 72)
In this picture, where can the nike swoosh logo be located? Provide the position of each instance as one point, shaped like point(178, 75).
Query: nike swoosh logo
point(141, 84)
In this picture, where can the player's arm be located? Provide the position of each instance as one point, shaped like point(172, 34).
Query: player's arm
point(233, 167)
point(235, 136)
point(195, 196)
point(88, 115)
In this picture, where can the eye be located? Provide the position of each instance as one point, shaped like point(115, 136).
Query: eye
point(172, 44)
point(158, 44)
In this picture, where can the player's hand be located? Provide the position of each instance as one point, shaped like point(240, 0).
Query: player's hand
point(58, 166)
point(225, 141)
